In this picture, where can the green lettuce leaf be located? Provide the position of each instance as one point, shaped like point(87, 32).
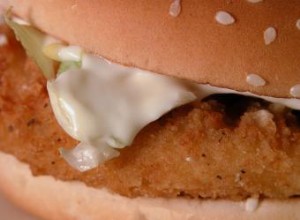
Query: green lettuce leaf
point(33, 41)
point(66, 65)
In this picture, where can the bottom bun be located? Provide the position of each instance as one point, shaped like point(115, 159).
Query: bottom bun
point(49, 198)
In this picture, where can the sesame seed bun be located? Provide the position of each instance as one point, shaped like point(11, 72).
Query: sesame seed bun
point(193, 45)
point(196, 46)
point(54, 199)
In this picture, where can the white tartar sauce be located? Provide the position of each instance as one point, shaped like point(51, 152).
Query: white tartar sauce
point(104, 105)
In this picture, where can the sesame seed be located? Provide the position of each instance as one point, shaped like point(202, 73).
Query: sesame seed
point(254, 1)
point(223, 17)
point(3, 40)
point(189, 159)
point(270, 35)
point(295, 91)
point(298, 24)
point(175, 8)
point(251, 204)
point(255, 80)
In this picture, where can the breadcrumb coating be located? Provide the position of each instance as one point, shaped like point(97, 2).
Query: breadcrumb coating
point(210, 149)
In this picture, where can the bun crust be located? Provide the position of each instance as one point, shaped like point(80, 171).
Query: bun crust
point(191, 46)
point(54, 199)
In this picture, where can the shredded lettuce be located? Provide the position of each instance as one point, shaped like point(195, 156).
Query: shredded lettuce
point(66, 65)
point(85, 157)
point(33, 41)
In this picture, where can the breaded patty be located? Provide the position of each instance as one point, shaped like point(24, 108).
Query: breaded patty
point(208, 149)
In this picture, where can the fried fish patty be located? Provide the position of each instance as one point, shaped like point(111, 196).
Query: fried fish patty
point(205, 149)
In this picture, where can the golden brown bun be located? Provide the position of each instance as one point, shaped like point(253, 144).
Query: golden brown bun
point(53, 199)
point(192, 46)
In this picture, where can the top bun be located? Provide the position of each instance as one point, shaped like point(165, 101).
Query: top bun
point(192, 45)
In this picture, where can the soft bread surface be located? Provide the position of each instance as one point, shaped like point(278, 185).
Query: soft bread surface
point(53, 199)
point(192, 46)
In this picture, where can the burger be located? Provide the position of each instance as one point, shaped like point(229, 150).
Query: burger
point(151, 109)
